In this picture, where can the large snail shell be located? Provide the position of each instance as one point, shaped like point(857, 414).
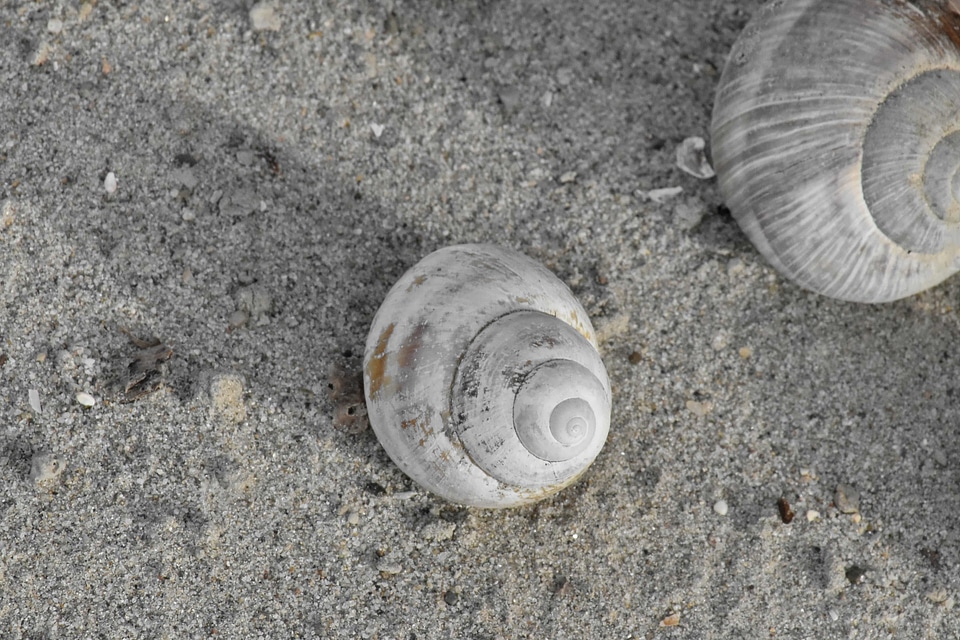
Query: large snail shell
point(836, 140)
point(482, 378)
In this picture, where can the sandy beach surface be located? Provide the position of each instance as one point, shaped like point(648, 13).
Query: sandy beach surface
point(202, 205)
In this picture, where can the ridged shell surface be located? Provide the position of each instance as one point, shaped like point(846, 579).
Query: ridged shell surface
point(482, 378)
point(835, 141)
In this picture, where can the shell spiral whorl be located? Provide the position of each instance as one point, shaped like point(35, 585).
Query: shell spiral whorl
point(835, 137)
point(482, 378)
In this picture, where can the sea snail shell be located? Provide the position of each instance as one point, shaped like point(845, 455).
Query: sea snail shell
point(836, 141)
point(482, 378)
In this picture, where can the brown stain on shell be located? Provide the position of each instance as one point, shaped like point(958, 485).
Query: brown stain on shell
point(419, 280)
point(420, 423)
point(949, 20)
point(935, 20)
point(406, 356)
point(575, 322)
point(377, 364)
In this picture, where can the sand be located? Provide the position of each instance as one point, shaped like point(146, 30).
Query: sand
point(222, 194)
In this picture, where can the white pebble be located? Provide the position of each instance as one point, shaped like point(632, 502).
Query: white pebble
point(812, 515)
point(699, 409)
point(110, 182)
point(439, 531)
point(389, 568)
point(661, 195)
point(689, 214)
point(721, 507)
point(720, 341)
point(735, 267)
point(34, 397)
point(568, 177)
point(938, 595)
point(264, 17)
point(86, 399)
point(377, 129)
point(54, 25)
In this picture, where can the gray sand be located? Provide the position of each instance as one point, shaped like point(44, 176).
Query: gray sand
point(258, 220)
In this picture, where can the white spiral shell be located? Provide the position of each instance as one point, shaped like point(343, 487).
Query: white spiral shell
point(482, 378)
point(836, 141)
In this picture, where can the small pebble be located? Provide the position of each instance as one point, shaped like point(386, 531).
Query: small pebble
point(85, 399)
point(834, 615)
point(110, 182)
point(672, 620)
point(847, 499)
point(699, 409)
point(238, 318)
point(938, 596)
point(746, 352)
point(54, 25)
point(719, 342)
point(786, 511)
point(661, 195)
point(812, 515)
point(451, 598)
point(186, 177)
point(188, 215)
point(735, 267)
point(635, 357)
point(721, 507)
point(439, 531)
point(377, 129)
point(264, 17)
point(33, 396)
point(392, 25)
point(568, 177)
point(688, 215)
point(353, 518)
point(42, 55)
point(389, 568)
